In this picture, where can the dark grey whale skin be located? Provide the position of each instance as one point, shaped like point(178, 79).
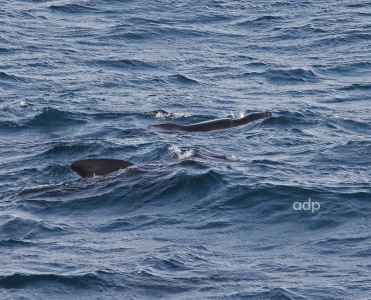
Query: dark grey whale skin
point(102, 166)
point(99, 166)
point(215, 124)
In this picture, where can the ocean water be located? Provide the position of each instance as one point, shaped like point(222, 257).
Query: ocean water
point(275, 209)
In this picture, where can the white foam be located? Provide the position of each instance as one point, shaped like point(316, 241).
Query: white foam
point(232, 157)
point(166, 116)
point(237, 114)
point(341, 118)
point(179, 153)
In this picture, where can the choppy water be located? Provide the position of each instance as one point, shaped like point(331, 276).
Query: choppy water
point(201, 215)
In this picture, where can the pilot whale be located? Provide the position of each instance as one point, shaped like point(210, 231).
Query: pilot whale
point(99, 166)
point(102, 166)
point(217, 124)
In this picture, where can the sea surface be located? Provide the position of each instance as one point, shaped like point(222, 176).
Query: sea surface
point(276, 209)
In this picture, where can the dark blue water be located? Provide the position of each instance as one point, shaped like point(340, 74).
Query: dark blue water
point(275, 209)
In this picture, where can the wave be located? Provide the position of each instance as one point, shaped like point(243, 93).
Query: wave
point(345, 68)
point(182, 79)
point(22, 280)
point(54, 118)
point(352, 153)
point(341, 40)
point(4, 51)
point(290, 76)
point(10, 78)
point(293, 32)
point(348, 125)
point(128, 189)
point(356, 87)
point(181, 31)
point(10, 124)
point(71, 9)
point(129, 64)
point(290, 119)
point(71, 149)
point(125, 32)
point(359, 5)
point(12, 243)
point(20, 229)
point(260, 21)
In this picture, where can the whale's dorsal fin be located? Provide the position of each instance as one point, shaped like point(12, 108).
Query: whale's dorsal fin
point(98, 166)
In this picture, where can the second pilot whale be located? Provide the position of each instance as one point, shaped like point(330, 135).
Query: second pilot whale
point(216, 124)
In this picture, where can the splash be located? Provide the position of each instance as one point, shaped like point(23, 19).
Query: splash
point(237, 114)
point(164, 115)
point(179, 153)
point(340, 118)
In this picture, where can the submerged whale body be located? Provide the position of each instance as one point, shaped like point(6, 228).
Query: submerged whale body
point(99, 166)
point(102, 166)
point(215, 124)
